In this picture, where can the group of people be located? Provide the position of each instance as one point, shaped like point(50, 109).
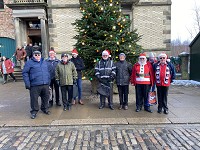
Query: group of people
point(144, 75)
point(40, 74)
point(44, 76)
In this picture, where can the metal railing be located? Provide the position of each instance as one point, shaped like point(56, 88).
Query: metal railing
point(30, 1)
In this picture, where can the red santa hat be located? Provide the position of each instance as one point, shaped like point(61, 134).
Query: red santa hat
point(105, 52)
point(108, 53)
point(51, 51)
point(142, 55)
point(162, 55)
point(74, 52)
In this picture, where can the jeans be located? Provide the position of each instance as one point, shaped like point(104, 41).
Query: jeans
point(79, 84)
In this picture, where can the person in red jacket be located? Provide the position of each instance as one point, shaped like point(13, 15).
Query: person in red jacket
point(142, 78)
point(164, 74)
point(7, 68)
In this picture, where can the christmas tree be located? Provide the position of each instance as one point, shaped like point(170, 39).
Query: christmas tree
point(103, 26)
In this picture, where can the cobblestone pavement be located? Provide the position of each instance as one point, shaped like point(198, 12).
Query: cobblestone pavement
point(107, 137)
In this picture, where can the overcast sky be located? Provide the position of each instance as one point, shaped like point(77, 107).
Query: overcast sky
point(183, 18)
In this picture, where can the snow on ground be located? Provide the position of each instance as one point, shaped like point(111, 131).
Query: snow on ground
point(186, 83)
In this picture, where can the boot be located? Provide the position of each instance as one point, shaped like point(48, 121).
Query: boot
point(102, 102)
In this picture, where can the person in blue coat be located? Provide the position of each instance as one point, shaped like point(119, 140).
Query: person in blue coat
point(36, 76)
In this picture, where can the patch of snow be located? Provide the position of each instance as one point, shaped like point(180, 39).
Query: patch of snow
point(186, 83)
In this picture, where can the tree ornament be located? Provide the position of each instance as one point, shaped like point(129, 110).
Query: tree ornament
point(95, 1)
point(111, 36)
point(129, 46)
point(114, 27)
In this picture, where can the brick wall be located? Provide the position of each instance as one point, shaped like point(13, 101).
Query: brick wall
point(6, 22)
point(152, 18)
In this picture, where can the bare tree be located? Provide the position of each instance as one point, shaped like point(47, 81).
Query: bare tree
point(196, 21)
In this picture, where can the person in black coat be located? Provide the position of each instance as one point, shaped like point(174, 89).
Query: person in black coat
point(123, 73)
point(79, 64)
point(105, 71)
point(52, 62)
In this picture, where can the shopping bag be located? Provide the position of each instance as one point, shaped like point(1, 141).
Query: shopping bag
point(152, 98)
point(75, 90)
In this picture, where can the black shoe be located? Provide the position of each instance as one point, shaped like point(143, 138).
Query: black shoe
point(111, 107)
point(138, 109)
point(120, 107)
point(101, 107)
point(126, 107)
point(65, 108)
point(4, 82)
point(33, 116)
point(148, 110)
point(166, 112)
point(46, 112)
point(159, 111)
point(58, 104)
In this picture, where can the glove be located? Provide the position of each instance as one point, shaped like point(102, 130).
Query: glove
point(28, 87)
point(58, 82)
point(74, 81)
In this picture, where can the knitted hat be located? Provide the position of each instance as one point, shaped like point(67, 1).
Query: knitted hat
point(162, 55)
point(142, 55)
point(151, 55)
point(74, 52)
point(64, 54)
point(122, 54)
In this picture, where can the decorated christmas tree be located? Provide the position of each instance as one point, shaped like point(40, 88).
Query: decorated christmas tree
point(103, 26)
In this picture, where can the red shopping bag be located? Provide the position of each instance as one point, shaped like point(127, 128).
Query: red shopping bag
point(152, 98)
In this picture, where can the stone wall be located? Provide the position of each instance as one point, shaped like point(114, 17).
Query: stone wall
point(6, 22)
point(61, 15)
point(152, 18)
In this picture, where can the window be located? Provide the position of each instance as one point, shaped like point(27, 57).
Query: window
point(1, 4)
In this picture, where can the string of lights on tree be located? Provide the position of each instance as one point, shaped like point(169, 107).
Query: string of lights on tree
point(103, 26)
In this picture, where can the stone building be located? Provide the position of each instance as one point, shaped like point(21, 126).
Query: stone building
point(49, 22)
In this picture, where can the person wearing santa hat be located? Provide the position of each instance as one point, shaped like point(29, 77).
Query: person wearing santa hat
point(142, 78)
point(79, 64)
point(105, 71)
point(52, 62)
point(164, 75)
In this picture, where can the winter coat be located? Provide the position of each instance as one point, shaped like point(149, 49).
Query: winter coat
point(65, 73)
point(105, 69)
point(36, 73)
point(164, 74)
point(29, 50)
point(78, 62)
point(8, 65)
point(52, 66)
point(20, 54)
point(123, 72)
point(147, 77)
